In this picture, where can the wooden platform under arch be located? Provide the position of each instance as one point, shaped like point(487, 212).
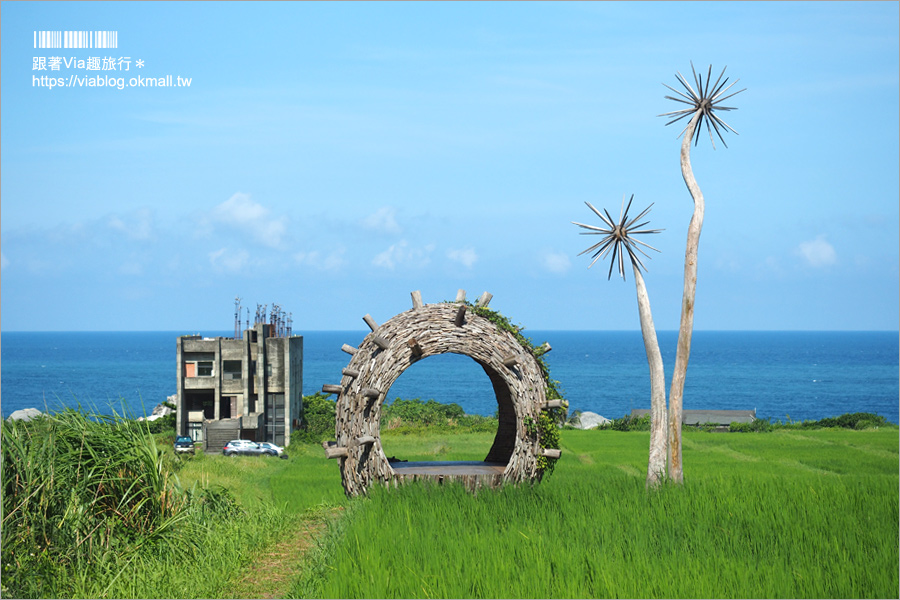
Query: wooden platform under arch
point(473, 475)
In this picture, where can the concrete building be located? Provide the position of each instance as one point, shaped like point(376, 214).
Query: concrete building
point(248, 388)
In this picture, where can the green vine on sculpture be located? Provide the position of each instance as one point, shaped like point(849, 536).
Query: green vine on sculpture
point(546, 429)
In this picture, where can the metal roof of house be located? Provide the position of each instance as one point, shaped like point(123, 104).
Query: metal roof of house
point(696, 417)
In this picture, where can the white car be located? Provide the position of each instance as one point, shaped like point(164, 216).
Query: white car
point(252, 448)
point(272, 450)
point(240, 447)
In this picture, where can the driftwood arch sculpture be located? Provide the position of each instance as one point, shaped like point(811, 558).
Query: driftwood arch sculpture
point(411, 336)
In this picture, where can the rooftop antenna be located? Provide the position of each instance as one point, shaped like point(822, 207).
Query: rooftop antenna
point(237, 317)
point(273, 319)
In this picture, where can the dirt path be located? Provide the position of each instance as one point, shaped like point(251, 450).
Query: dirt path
point(277, 566)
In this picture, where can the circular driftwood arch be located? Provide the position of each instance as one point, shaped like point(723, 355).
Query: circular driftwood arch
point(429, 330)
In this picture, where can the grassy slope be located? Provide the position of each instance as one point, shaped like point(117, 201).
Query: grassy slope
point(785, 514)
point(788, 513)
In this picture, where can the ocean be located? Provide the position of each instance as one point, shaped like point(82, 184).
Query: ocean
point(783, 375)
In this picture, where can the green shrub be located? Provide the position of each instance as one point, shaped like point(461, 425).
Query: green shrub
point(316, 419)
point(629, 423)
point(417, 412)
point(164, 424)
point(860, 420)
point(846, 421)
point(756, 425)
point(413, 416)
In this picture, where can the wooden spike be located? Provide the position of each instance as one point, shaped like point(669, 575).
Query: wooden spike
point(413, 344)
point(350, 372)
point(417, 299)
point(381, 342)
point(370, 393)
point(551, 452)
point(332, 389)
point(461, 296)
point(552, 404)
point(460, 316)
point(370, 322)
point(349, 349)
point(546, 348)
point(510, 361)
point(365, 439)
point(484, 300)
point(336, 452)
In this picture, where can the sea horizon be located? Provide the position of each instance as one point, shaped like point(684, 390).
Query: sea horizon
point(782, 374)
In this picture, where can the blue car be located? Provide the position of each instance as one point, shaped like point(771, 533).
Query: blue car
point(184, 443)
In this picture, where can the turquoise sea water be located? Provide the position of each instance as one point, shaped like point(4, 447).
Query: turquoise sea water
point(796, 375)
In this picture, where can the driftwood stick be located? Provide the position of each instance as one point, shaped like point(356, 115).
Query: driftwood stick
point(350, 372)
point(414, 347)
point(416, 299)
point(484, 300)
point(461, 295)
point(336, 452)
point(349, 349)
point(332, 389)
point(460, 316)
point(370, 322)
point(381, 342)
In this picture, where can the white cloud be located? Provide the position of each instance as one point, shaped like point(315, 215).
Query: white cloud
point(225, 259)
point(556, 262)
point(140, 227)
point(465, 256)
point(384, 220)
point(3, 261)
point(401, 254)
point(818, 252)
point(243, 214)
point(317, 260)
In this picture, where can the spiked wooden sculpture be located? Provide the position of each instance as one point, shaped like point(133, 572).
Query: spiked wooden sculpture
point(702, 106)
point(618, 239)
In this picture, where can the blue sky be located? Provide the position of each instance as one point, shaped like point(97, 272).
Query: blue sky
point(334, 157)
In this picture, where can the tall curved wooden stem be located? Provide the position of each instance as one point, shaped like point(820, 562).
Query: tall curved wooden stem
point(686, 329)
point(656, 465)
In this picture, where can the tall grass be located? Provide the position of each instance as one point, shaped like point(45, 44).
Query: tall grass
point(91, 508)
point(304, 483)
point(771, 516)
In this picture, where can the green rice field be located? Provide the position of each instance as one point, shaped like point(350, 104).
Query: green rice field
point(789, 513)
point(786, 514)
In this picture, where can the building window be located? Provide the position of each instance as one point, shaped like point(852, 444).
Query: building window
point(198, 368)
point(195, 430)
point(231, 369)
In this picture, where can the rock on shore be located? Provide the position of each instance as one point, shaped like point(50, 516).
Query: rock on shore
point(161, 410)
point(589, 420)
point(24, 414)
